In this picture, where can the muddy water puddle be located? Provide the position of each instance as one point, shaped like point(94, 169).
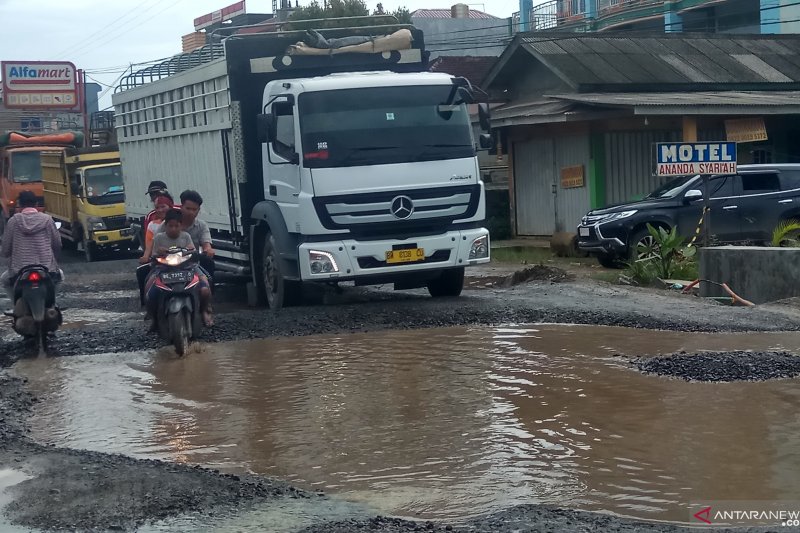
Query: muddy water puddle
point(446, 423)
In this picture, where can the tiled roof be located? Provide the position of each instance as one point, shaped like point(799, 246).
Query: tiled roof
point(607, 62)
point(472, 68)
point(447, 13)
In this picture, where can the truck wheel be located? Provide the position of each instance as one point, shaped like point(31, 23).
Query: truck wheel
point(448, 283)
point(90, 251)
point(279, 292)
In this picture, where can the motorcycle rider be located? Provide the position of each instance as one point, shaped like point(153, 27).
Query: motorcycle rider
point(191, 201)
point(173, 236)
point(30, 238)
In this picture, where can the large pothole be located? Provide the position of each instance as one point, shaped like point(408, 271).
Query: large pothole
point(723, 366)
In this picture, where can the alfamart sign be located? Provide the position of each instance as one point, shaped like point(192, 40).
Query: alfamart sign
point(681, 159)
point(39, 85)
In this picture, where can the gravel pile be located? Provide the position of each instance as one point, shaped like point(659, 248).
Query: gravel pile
point(723, 366)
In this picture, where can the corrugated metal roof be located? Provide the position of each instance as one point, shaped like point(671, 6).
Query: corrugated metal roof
point(603, 61)
point(447, 13)
point(694, 99)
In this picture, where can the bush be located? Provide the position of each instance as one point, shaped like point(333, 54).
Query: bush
point(665, 258)
point(786, 234)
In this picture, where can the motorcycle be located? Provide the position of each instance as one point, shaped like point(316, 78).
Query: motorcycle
point(35, 312)
point(177, 309)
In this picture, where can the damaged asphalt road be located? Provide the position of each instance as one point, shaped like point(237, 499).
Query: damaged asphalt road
point(79, 490)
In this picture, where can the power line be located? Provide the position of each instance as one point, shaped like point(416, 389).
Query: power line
point(106, 27)
point(120, 34)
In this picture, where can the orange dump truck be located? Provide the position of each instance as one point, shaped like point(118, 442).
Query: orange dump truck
point(21, 166)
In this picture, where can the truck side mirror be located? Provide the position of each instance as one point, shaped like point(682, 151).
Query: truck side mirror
point(465, 95)
point(485, 141)
point(484, 117)
point(265, 125)
point(75, 187)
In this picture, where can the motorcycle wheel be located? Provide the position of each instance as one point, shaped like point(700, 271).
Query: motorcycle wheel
point(179, 332)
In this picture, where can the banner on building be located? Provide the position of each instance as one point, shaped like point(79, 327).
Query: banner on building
point(220, 15)
point(746, 130)
point(39, 85)
point(682, 159)
point(572, 177)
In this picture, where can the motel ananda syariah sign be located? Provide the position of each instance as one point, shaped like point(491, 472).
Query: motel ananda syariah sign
point(681, 159)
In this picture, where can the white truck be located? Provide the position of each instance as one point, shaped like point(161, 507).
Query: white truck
point(345, 166)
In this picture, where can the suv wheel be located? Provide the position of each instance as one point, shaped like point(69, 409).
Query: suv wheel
point(642, 238)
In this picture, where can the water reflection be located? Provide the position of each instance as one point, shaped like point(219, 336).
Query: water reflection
point(445, 423)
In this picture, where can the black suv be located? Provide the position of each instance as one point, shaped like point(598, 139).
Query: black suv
point(745, 207)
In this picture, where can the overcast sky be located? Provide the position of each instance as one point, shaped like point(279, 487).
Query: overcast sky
point(105, 36)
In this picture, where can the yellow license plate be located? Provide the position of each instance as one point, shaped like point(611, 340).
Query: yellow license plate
point(411, 255)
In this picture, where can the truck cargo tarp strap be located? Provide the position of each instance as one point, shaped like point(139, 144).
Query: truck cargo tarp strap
point(399, 40)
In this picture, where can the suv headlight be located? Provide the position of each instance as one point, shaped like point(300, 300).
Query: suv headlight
point(95, 224)
point(618, 216)
point(479, 248)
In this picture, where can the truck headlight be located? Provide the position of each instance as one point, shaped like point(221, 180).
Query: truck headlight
point(95, 224)
point(479, 248)
point(322, 262)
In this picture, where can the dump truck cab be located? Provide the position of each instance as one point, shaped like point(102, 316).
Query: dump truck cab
point(84, 190)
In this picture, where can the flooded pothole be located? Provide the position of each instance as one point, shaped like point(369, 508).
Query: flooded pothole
point(448, 423)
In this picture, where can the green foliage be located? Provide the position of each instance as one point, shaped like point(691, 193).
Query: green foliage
point(786, 234)
point(403, 15)
point(343, 8)
point(665, 257)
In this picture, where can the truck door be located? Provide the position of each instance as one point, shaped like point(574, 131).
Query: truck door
point(282, 168)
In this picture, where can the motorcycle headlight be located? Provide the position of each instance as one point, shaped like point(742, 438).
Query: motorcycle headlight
point(95, 224)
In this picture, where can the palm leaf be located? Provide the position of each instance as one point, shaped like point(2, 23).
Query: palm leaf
point(782, 234)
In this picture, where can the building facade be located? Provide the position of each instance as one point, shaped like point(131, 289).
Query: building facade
point(583, 112)
point(710, 16)
point(462, 31)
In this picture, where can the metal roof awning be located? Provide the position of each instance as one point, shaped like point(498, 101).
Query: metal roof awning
point(539, 112)
point(694, 103)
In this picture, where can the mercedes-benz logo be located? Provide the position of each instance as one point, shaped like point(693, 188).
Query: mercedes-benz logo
point(402, 207)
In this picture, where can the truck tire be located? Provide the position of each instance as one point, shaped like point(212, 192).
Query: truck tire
point(90, 251)
point(449, 283)
point(278, 292)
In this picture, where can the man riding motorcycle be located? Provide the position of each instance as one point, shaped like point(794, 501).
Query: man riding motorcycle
point(30, 238)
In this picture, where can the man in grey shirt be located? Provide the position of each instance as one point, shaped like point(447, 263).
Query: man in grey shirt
point(191, 201)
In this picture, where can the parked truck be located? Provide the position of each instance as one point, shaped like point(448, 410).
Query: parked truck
point(21, 166)
point(83, 188)
point(343, 164)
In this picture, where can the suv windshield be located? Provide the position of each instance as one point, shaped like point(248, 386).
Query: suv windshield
point(381, 125)
point(104, 185)
point(671, 188)
point(26, 167)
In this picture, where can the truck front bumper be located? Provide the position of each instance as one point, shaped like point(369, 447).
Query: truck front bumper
point(113, 237)
point(352, 259)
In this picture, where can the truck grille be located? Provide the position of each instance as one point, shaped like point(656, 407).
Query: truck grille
point(371, 214)
point(116, 222)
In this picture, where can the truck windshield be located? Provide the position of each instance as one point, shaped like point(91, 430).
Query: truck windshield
point(104, 185)
point(26, 167)
point(382, 125)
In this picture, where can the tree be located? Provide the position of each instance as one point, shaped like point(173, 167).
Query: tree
point(343, 8)
point(403, 15)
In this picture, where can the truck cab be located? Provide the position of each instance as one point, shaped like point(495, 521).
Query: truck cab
point(378, 173)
